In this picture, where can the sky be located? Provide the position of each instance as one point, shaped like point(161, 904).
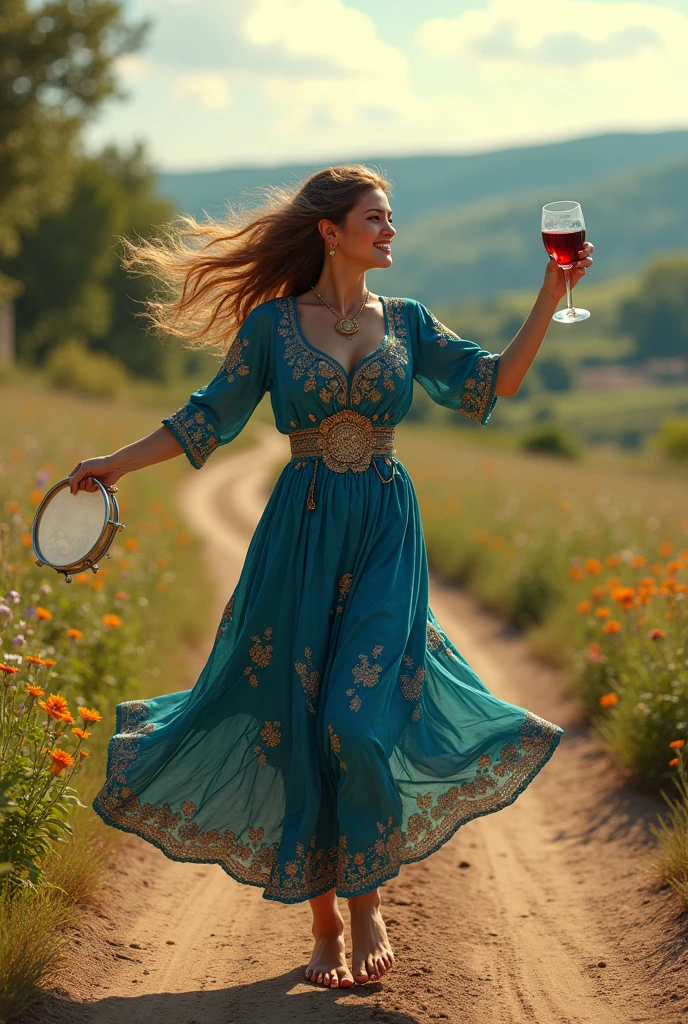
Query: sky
point(223, 83)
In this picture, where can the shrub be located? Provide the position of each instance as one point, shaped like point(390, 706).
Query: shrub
point(76, 368)
point(550, 439)
point(672, 439)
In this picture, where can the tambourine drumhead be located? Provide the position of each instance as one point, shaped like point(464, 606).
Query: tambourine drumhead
point(70, 526)
point(72, 531)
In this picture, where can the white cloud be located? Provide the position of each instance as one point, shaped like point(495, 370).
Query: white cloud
point(132, 68)
point(558, 34)
point(209, 88)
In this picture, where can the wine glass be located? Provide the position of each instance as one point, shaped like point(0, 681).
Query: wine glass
point(563, 234)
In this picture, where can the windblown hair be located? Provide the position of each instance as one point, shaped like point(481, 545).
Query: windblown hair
point(215, 272)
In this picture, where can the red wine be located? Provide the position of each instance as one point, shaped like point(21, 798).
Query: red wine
point(564, 245)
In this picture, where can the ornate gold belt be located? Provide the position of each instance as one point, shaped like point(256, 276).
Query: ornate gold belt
point(345, 440)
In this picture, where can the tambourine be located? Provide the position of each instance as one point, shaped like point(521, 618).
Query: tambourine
point(72, 531)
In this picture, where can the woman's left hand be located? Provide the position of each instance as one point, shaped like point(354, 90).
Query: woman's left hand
point(555, 282)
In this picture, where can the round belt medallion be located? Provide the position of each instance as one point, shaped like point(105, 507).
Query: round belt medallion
point(346, 441)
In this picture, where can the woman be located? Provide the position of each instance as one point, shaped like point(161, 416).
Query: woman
point(335, 731)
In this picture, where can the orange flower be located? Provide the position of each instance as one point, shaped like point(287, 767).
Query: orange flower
point(673, 761)
point(677, 743)
point(594, 651)
point(584, 607)
point(56, 707)
point(81, 577)
point(495, 543)
point(43, 613)
point(124, 563)
point(61, 760)
point(183, 538)
point(8, 670)
point(612, 561)
point(83, 734)
point(112, 620)
point(657, 634)
point(607, 700)
point(34, 661)
point(12, 507)
point(594, 566)
point(158, 509)
point(131, 544)
point(26, 540)
point(162, 563)
point(121, 595)
point(613, 582)
point(576, 573)
point(89, 715)
point(625, 596)
point(613, 626)
point(656, 569)
point(665, 548)
point(603, 613)
point(597, 593)
point(83, 753)
point(674, 567)
point(482, 537)
point(638, 561)
point(74, 634)
point(36, 497)
point(35, 691)
point(49, 662)
point(97, 584)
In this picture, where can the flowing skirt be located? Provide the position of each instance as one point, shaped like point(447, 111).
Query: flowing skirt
point(335, 732)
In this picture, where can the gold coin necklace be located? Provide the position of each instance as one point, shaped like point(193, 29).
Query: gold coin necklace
point(345, 324)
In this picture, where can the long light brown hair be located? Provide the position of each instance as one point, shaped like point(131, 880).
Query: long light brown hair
point(213, 273)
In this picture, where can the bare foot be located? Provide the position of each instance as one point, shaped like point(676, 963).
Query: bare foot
point(372, 952)
point(328, 964)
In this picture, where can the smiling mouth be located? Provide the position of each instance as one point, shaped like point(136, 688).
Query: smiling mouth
point(385, 246)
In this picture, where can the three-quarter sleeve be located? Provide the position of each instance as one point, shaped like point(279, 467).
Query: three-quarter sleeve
point(455, 372)
point(216, 413)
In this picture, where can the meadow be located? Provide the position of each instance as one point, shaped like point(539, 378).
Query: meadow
point(69, 653)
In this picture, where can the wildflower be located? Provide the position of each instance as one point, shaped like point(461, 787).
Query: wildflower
point(674, 567)
point(656, 569)
point(35, 691)
point(613, 626)
point(495, 543)
point(42, 477)
point(74, 634)
point(34, 661)
point(677, 743)
point(665, 548)
point(597, 593)
point(14, 596)
point(121, 595)
point(673, 761)
point(612, 561)
point(18, 641)
point(625, 596)
point(131, 544)
point(603, 612)
point(49, 662)
point(594, 651)
point(183, 538)
point(607, 700)
point(656, 634)
point(638, 561)
point(90, 716)
point(576, 573)
point(82, 734)
point(584, 607)
point(5, 611)
point(26, 540)
point(56, 707)
point(8, 670)
point(81, 577)
point(12, 507)
point(112, 620)
point(613, 583)
point(61, 760)
point(83, 753)
point(594, 566)
point(43, 613)
point(36, 497)
point(124, 563)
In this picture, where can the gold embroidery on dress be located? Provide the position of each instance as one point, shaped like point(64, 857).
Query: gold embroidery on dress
point(336, 746)
point(232, 363)
point(226, 617)
point(260, 654)
point(435, 640)
point(443, 333)
point(377, 862)
point(479, 389)
point(193, 432)
point(310, 679)
point(305, 361)
point(365, 674)
point(411, 683)
point(344, 588)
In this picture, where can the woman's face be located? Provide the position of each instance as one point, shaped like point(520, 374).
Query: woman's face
point(366, 236)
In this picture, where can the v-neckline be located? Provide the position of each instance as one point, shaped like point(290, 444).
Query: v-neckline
point(333, 359)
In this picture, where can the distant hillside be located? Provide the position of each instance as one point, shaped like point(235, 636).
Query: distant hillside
point(469, 225)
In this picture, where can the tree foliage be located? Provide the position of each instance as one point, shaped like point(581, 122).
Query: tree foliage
point(657, 316)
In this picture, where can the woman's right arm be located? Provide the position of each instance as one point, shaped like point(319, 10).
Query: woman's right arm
point(159, 446)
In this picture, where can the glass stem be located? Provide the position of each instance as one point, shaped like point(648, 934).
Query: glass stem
point(569, 300)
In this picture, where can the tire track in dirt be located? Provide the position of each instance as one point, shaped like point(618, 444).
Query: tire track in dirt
point(539, 913)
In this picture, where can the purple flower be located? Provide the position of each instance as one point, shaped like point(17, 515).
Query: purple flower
point(42, 478)
point(18, 641)
point(28, 612)
point(5, 611)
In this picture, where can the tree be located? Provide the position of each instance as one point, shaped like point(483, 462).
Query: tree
point(57, 65)
point(657, 317)
point(74, 285)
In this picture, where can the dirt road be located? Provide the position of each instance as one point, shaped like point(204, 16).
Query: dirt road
point(539, 913)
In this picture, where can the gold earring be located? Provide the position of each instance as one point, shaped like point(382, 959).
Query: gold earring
point(332, 249)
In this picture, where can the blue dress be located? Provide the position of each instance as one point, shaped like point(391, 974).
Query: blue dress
point(335, 732)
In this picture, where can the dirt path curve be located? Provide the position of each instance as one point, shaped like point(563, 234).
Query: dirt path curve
point(539, 913)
